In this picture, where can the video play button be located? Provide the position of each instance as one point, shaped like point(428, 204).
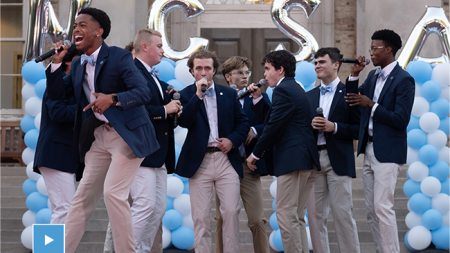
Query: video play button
point(48, 238)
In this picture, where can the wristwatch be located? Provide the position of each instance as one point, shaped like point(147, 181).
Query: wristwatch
point(115, 99)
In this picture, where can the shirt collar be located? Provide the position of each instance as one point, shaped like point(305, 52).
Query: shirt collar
point(95, 53)
point(388, 68)
point(147, 67)
point(279, 81)
point(333, 84)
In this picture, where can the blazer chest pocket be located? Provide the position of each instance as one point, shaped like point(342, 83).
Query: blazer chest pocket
point(137, 122)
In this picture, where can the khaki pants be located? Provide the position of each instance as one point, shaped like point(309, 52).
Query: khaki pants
point(251, 194)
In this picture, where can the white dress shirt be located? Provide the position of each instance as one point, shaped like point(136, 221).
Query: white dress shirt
point(325, 101)
point(211, 112)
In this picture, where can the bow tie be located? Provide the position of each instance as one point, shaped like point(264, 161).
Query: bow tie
point(209, 92)
point(87, 58)
point(154, 72)
point(379, 73)
point(325, 88)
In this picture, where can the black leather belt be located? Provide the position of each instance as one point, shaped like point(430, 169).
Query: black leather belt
point(212, 149)
point(370, 138)
point(321, 147)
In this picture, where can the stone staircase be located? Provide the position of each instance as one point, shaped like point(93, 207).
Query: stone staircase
point(13, 207)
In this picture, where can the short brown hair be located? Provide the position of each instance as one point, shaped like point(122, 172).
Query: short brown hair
point(235, 62)
point(144, 34)
point(203, 54)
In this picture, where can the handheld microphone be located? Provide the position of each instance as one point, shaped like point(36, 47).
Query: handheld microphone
point(353, 61)
point(319, 112)
point(204, 86)
point(53, 51)
point(175, 96)
point(170, 90)
point(248, 92)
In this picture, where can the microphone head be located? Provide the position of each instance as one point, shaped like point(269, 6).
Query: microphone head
point(233, 86)
point(262, 82)
point(67, 43)
point(176, 96)
point(319, 111)
point(169, 87)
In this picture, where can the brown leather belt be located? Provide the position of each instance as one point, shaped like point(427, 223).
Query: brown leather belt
point(212, 149)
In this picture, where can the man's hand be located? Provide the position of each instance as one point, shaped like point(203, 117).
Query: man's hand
point(225, 145)
point(101, 103)
point(202, 85)
point(173, 106)
point(250, 136)
point(358, 67)
point(58, 56)
point(322, 124)
point(358, 100)
point(251, 162)
point(255, 91)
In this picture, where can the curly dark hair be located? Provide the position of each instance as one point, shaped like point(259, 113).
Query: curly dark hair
point(390, 38)
point(203, 54)
point(281, 58)
point(101, 17)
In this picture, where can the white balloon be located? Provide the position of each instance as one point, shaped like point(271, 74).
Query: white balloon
point(182, 204)
point(27, 237)
point(417, 171)
point(430, 186)
point(437, 138)
point(412, 219)
point(180, 135)
point(444, 154)
point(441, 202)
point(417, 90)
point(27, 91)
point(273, 189)
point(28, 218)
point(174, 186)
point(188, 222)
point(308, 234)
point(37, 121)
point(419, 237)
point(271, 240)
point(441, 74)
point(30, 173)
point(33, 106)
point(429, 122)
point(166, 237)
point(445, 93)
point(420, 106)
point(182, 73)
point(27, 155)
point(41, 187)
point(412, 156)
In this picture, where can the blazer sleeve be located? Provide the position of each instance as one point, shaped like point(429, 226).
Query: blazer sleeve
point(59, 85)
point(404, 99)
point(261, 108)
point(282, 109)
point(60, 110)
point(191, 105)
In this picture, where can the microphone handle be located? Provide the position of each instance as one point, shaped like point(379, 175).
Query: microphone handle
point(248, 92)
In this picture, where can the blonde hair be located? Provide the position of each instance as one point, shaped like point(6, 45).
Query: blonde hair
point(144, 35)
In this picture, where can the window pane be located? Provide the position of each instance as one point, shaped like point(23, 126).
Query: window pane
point(11, 63)
point(11, 21)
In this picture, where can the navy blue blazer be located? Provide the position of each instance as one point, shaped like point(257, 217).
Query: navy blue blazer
point(391, 117)
point(339, 145)
point(54, 148)
point(163, 126)
point(288, 131)
point(115, 72)
point(232, 124)
point(257, 114)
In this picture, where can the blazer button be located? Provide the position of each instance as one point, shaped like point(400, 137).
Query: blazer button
point(165, 133)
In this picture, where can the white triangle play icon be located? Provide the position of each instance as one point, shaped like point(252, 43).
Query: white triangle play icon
point(47, 240)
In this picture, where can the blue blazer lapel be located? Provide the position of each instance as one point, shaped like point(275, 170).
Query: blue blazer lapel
point(101, 59)
point(78, 81)
point(387, 84)
point(316, 97)
point(221, 107)
point(338, 95)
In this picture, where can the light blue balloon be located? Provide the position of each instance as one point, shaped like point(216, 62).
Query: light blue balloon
point(183, 238)
point(274, 205)
point(269, 92)
point(33, 72)
point(39, 88)
point(428, 154)
point(444, 126)
point(172, 62)
point(419, 203)
point(445, 187)
point(440, 107)
point(305, 73)
point(277, 241)
point(432, 219)
point(430, 90)
point(31, 138)
point(186, 187)
point(440, 170)
point(169, 203)
point(27, 123)
point(177, 85)
point(406, 242)
point(166, 71)
point(43, 216)
point(29, 186)
point(411, 187)
point(420, 70)
point(416, 138)
point(172, 219)
point(273, 221)
point(36, 201)
point(440, 238)
point(413, 123)
point(177, 153)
